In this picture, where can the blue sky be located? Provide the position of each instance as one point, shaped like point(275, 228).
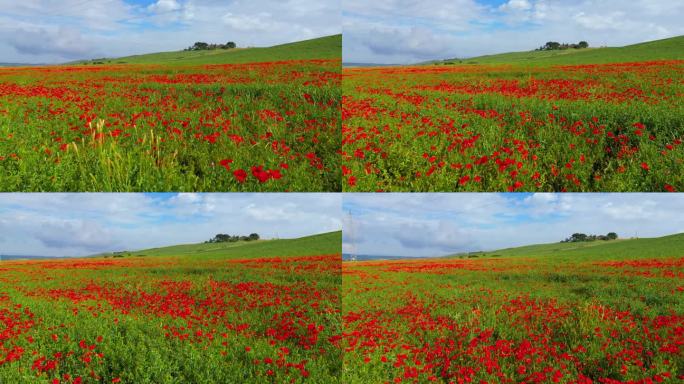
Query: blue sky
point(437, 224)
point(86, 223)
point(406, 31)
point(48, 31)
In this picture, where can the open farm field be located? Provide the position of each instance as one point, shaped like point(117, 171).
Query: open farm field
point(258, 312)
point(517, 126)
point(605, 312)
point(214, 122)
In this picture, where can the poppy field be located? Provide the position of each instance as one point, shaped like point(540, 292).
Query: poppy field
point(511, 127)
point(261, 313)
point(561, 313)
point(268, 126)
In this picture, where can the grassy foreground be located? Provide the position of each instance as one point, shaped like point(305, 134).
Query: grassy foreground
point(604, 312)
point(254, 312)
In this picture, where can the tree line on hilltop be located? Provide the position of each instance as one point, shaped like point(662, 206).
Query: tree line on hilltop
point(580, 237)
point(556, 46)
point(202, 46)
point(224, 238)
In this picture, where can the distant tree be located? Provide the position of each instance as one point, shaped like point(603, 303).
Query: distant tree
point(554, 45)
point(581, 237)
point(551, 45)
point(200, 45)
point(224, 238)
point(578, 237)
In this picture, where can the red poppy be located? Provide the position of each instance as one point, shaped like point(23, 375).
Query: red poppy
point(240, 175)
point(225, 163)
point(260, 174)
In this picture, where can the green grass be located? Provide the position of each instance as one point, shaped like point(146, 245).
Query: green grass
point(624, 249)
point(543, 313)
point(665, 49)
point(323, 244)
point(328, 47)
point(517, 127)
point(157, 126)
point(191, 314)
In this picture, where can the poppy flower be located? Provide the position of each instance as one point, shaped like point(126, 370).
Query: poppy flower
point(225, 163)
point(260, 174)
point(240, 175)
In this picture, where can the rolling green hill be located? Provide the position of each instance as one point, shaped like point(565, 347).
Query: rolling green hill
point(666, 49)
point(666, 246)
point(329, 47)
point(326, 243)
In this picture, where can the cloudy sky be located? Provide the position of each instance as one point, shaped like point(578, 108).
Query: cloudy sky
point(83, 224)
point(406, 31)
point(438, 224)
point(53, 31)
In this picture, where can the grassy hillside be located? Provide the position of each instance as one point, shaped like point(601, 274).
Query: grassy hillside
point(329, 47)
point(672, 245)
point(666, 49)
point(326, 243)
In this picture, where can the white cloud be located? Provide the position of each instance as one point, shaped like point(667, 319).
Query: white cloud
point(96, 15)
point(163, 6)
point(260, 22)
point(415, 41)
point(612, 21)
point(516, 5)
point(189, 204)
point(466, 28)
point(116, 28)
point(450, 15)
point(59, 234)
point(437, 224)
point(441, 235)
point(62, 41)
point(271, 213)
point(85, 223)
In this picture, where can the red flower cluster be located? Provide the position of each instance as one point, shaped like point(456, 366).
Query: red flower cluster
point(276, 317)
point(141, 117)
point(496, 320)
point(489, 128)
